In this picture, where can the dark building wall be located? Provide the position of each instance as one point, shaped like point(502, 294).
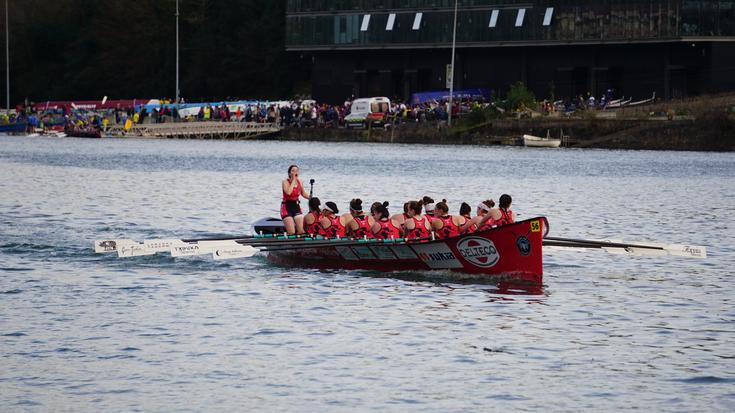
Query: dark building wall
point(674, 48)
point(671, 70)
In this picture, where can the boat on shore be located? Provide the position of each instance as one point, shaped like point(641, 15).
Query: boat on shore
point(539, 142)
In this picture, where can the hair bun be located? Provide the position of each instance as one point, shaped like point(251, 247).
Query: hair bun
point(385, 204)
point(444, 200)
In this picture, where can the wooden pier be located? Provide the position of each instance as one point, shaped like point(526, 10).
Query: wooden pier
point(195, 130)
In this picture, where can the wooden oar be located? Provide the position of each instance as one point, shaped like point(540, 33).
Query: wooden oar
point(634, 248)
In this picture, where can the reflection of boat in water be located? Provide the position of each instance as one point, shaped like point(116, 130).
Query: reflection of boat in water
point(539, 142)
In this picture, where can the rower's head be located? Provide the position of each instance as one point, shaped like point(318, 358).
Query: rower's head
point(314, 204)
point(429, 205)
point(441, 208)
point(505, 201)
point(465, 209)
point(380, 211)
point(293, 171)
point(414, 208)
point(330, 208)
point(405, 208)
point(485, 206)
point(356, 207)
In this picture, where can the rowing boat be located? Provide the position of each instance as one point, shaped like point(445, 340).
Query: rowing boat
point(508, 253)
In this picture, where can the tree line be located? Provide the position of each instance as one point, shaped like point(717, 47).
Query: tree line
point(86, 49)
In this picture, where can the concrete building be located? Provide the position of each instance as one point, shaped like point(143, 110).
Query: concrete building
point(562, 48)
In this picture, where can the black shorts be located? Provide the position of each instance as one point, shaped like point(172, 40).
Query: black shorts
point(290, 209)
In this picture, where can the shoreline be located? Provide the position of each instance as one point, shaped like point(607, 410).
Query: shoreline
point(716, 134)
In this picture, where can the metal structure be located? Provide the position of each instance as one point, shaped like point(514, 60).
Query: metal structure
point(7, 56)
point(196, 130)
point(178, 92)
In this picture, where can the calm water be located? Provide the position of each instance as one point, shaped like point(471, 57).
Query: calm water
point(86, 332)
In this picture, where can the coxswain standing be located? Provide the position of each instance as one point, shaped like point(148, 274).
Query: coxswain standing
point(291, 213)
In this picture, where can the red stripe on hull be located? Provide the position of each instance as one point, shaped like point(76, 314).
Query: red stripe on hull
point(511, 252)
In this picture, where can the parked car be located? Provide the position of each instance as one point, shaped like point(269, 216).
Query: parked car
point(365, 111)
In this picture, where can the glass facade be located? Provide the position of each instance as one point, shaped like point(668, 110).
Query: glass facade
point(339, 24)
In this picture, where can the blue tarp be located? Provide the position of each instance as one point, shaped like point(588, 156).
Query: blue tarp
point(421, 97)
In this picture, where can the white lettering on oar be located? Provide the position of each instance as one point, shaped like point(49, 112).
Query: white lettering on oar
point(245, 251)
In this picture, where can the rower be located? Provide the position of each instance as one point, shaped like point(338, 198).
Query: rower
point(483, 210)
point(332, 225)
point(384, 227)
point(416, 226)
point(501, 215)
point(400, 219)
point(293, 189)
point(469, 226)
point(311, 220)
point(429, 207)
point(361, 225)
point(445, 225)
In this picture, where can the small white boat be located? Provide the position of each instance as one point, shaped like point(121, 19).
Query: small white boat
point(539, 142)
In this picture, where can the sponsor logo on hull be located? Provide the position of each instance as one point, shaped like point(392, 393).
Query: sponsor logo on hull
point(478, 251)
point(437, 256)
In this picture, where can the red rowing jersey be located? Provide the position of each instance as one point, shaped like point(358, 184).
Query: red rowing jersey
point(449, 230)
point(335, 228)
point(419, 230)
point(472, 228)
point(364, 229)
point(387, 230)
point(295, 193)
point(313, 228)
point(506, 217)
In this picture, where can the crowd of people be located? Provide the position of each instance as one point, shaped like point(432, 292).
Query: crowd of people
point(420, 219)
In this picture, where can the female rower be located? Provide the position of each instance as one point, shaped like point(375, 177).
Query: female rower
point(311, 220)
point(501, 215)
point(483, 209)
point(361, 225)
point(332, 225)
point(400, 219)
point(445, 225)
point(429, 207)
point(293, 189)
point(384, 227)
point(416, 226)
point(469, 226)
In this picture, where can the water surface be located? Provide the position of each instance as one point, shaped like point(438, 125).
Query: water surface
point(86, 332)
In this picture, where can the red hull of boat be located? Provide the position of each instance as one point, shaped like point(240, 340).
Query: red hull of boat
point(507, 253)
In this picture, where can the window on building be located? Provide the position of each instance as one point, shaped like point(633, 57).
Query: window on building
point(547, 17)
point(417, 21)
point(391, 22)
point(494, 18)
point(365, 23)
point(519, 18)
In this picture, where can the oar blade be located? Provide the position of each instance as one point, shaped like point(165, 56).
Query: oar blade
point(200, 248)
point(132, 249)
point(240, 251)
point(161, 245)
point(688, 251)
point(102, 246)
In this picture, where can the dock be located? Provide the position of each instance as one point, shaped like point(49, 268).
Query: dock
point(196, 130)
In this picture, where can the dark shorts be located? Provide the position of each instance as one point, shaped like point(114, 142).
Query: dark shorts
point(290, 209)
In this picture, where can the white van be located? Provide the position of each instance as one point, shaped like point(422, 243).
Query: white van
point(368, 110)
